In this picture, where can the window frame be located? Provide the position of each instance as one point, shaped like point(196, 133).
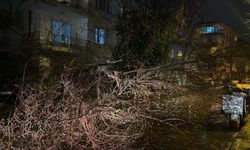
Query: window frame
point(59, 36)
point(99, 38)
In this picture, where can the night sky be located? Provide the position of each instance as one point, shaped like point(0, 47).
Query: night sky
point(230, 12)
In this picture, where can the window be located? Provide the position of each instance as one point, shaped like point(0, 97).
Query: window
point(66, 34)
point(235, 38)
point(61, 33)
point(210, 29)
point(57, 32)
point(103, 5)
point(179, 54)
point(100, 36)
point(213, 50)
point(205, 30)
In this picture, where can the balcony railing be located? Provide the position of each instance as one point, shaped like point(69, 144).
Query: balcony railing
point(50, 41)
point(85, 49)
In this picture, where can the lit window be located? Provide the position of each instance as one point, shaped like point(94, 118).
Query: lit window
point(61, 33)
point(210, 29)
point(205, 30)
point(179, 54)
point(57, 32)
point(100, 36)
point(66, 34)
point(235, 38)
point(213, 50)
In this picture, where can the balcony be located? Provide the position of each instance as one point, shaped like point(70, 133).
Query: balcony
point(86, 50)
point(59, 43)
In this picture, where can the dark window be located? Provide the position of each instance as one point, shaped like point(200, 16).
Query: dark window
point(103, 5)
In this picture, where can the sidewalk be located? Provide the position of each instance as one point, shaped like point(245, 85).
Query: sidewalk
point(242, 139)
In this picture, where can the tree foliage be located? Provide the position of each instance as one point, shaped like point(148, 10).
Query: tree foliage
point(143, 31)
point(147, 28)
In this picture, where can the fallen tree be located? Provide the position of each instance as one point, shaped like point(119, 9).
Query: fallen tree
point(98, 109)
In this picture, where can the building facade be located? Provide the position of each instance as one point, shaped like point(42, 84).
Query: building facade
point(222, 40)
point(213, 40)
point(217, 36)
point(76, 27)
point(55, 32)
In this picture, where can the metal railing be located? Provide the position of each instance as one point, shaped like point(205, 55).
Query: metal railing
point(85, 49)
point(52, 41)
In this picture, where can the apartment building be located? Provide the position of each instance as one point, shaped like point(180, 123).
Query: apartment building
point(58, 31)
point(213, 38)
point(81, 28)
point(55, 25)
point(217, 36)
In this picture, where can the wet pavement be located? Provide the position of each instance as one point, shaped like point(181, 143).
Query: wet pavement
point(192, 138)
point(214, 134)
